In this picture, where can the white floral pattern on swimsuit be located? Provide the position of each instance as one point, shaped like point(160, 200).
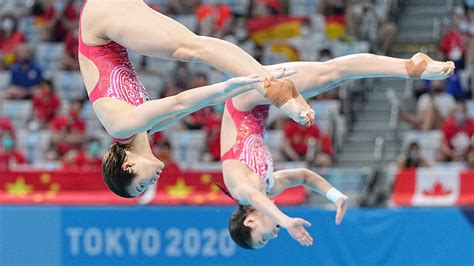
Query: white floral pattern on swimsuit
point(255, 155)
point(125, 85)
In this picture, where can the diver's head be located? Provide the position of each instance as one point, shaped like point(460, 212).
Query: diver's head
point(128, 174)
point(251, 229)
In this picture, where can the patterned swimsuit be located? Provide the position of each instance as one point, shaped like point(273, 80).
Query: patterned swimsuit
point(249, 147)
point(117, 77)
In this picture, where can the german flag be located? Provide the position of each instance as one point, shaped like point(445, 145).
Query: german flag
point(274, 28)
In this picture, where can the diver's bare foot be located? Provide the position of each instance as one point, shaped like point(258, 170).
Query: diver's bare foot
point(283, 94)
point(422, 66)
point(298, 111)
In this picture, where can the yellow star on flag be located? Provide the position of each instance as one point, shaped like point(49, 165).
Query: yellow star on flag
point(179, 190)
point(45, 178)
point(215, 188)
point(19, 188)
point(206, 179)
point(199, 199)
point(38, 198)
point(54, 187)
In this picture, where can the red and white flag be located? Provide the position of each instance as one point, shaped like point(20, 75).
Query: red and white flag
point(434, 187)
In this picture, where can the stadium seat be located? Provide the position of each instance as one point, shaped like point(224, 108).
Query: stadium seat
point(19, 111)
point(274, 141)
point(49, 56)
point(302, 8)
point(4, 79)
point(33, 144)
point(153, 85)
point(188, 146)
point(32, 32)
point(189, 21)
point(69, 85)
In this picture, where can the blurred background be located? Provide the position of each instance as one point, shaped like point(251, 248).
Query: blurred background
point(402, 150)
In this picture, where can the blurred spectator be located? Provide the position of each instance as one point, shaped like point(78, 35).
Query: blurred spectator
point(164, 152)
point(324, 55)
point(212, 126)
point(374, 24)
point(263, 8)
point(470, 157)
point(455, 87)
point(170, 89)
point(69, 61)
point(61, 17)
point(6, 125)
point(296, 146)
point(258, 53)
point(214, 19)
point(338, 18)
point(457, 132)
point(200, 79)
point(9, 155)
point(182, 76)
point(412, 158)
point(453, 45)
point(45, 105)
point(25, 74)
point(181, 7)
point(198, 119)
point(10, 38)
point(67, 132)
point(432, 107)
point(89, 157)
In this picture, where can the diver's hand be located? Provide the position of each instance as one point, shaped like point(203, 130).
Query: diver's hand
point(341, 205)
point(296, 229)
point(283, 72)
point(238, 82)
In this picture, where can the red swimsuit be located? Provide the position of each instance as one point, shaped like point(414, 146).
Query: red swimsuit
point(117, 77)
point(249, 147)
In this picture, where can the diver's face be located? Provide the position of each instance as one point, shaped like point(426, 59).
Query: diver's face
point(148, 172)
point(263, 228)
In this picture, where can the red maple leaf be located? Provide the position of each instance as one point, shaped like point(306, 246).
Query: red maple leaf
point(437, 190)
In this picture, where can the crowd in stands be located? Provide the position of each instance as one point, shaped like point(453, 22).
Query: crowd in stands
point(72, 140)
point(443, 108)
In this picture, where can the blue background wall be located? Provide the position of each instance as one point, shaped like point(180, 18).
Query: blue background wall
point(198, 235)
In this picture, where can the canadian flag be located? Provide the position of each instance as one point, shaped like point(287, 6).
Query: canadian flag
point(434, 187)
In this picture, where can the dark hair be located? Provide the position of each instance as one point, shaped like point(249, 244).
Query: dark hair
point(240, 233)
point(115, 177)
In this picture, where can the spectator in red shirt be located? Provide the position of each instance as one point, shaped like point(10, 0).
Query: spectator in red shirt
point(453, 45)
point(67, 132)
point(457, 132)
point(9, 155)
point(10, 38)
point(45, 104)
point(60, 18)
point(214, 19)
point(71, 44)
point(296, 146)
point(90, 157)
point(212, 126)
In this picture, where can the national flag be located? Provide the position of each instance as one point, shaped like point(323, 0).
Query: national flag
point(274, 28)
point(434, 187)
